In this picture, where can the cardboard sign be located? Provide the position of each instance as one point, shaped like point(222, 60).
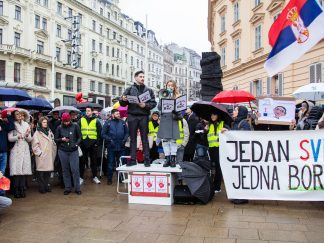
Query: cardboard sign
point(137, 183)
point(178, 104)
point(167, 105)
point(149, 185)
point(181, 103)
point(132, 99)
point(144, 97)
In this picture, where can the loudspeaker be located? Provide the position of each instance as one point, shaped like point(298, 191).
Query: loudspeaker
point(182, 195)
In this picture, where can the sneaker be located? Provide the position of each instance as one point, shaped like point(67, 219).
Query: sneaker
point(78, 192)
point(96, 180)
point(218, 191)
point(81, 181)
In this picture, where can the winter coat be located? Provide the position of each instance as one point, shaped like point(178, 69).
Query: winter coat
point(241, 122)
point(44, 149)
point(192, 120)
point(72, 131)
point(134, 109)
point(20, 161)
point(53, 124)
point(115, 134)
point(91, 142)
point(185, 133)
point(5, 127)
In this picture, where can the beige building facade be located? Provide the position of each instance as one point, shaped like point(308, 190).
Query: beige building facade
point(238, 32)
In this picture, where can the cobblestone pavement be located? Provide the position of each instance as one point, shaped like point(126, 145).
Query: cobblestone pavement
point(100, 215)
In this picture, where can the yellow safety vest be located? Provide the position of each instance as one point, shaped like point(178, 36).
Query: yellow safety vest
point(180, 140)
point(89, 130)
point(212, 137)
point(152, 131)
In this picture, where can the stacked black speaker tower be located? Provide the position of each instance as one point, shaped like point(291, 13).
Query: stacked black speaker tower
point(211, 75)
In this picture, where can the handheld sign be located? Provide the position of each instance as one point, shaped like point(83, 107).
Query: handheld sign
point(181, 103)
point(167, 105)
point(144, 97)
point(132, 99)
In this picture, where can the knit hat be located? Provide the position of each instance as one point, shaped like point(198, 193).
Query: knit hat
point(66, 117)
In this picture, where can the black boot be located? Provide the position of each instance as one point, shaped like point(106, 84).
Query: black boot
point(17, 192)
point(173, 161)
point(22, 192)
point(147, 163)
point(167, 161)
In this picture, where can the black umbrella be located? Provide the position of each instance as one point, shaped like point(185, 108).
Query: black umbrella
point(83, 106)
point(9, 94)
point(62, 109)
point(197, 179)
point(35, 104)
point(204, 109)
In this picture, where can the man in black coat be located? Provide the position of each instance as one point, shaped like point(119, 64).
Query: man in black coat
point(190, 149)
point(138, 116)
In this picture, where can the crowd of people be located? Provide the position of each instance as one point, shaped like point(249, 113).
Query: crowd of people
point(64, 144)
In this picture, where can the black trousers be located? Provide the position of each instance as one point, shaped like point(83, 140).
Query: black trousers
point(154, 152)
point(136, 122)
point(214, 156)
point(43, 180)
point(19, 181)
point(92, 153)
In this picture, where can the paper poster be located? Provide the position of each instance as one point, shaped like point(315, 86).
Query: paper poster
point(132, 99)
point(167, 105)
point(276, 110)
point(161, 184)
point(181, 103)
point(137, 183)
point(144, 97)
point(149, 183)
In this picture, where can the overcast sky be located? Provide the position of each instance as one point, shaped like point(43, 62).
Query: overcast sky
point(181, 21)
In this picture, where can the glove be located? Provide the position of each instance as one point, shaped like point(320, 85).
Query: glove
point(176, 115)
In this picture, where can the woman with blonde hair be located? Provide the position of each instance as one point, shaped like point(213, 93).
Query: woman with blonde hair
point(171, 127)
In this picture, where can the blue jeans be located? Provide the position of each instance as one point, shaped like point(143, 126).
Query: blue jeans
point(113, 157)
point(201, 150)
point(3, 162)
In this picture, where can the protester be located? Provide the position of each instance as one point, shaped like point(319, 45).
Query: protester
point(6, 125)
point(115, 134)
point(192, 120)
point(44, 148)
point(138, 115)
point(170, 127)
point(201, 138)
point(153, 127)
point(306, 106)
point(68, 137)
point(91, 133)
point(314, 116)
point(183, 140)
point(20, 160)
point(54, 123)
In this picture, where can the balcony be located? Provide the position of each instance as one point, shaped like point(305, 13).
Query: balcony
point(15, 50)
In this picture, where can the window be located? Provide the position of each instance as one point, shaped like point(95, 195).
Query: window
point(117, 70)
point(58, 30)
point(100, 29)
point(17, 72)
point(107, 50)
point(107, 88)
point(120, 91)
point(70, 13)
point(100, 47)
point(68, 82)
point(223, 56)
point(59, 8)
point(236, 12)
point(93, 25)
point(137, 48)
point(93, 45)
point(69, 57)
point(222, 22)
point(100, 66)
point(40, 47)
point(132, 61)
point(112, 69)
point(114, 35)
point(115, 15)
point(79, 84)
point(58, 80)
point(113, 90)
point(58, 54)
point(93, 65)
point(142, 65)
point(100, 87)
point(69, 34)
point(257, 2)
point(126, 58)
point(17, 39)
point(108, 15)
point(40, 77)
point(113, 52)
point(44, 24)
point(92, 85)
point(18, 13)
point(132, 45)
point(1, 8)
point(2, 70)
point(101, 12)
point(107, 68)
point(237, 49)
point(80, 17)
point(118, 52)
point(108, 33)
point(137, 63)
point(37, 22)
point(275, 85)
point(0, 36)
point(45, 3)
point(256, 87)
point(258, 37)
point(315, 73)
point(68, 100)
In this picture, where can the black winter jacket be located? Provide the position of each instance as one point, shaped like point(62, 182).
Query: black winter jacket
point(5, 128)
point(72, 132)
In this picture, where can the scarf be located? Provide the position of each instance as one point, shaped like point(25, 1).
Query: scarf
point(43, 130)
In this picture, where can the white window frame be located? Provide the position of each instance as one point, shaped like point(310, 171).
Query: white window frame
point(236, 12)
point(237, 49)
point(316, 72)
point(223, 56)
point(258, 37)
point(222, 23)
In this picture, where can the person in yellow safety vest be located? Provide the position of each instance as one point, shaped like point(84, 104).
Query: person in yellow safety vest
point(153, 127)
point(214, 129)
point(183, 140)
point(91, 139)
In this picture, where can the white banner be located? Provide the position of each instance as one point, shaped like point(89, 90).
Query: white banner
point(269, 165)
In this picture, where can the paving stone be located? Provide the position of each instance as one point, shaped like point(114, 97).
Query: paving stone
point(216, 240)
point(113, 235)
point(251, 241)
point(170, 229)
point(188, 239)
point(261, 225)
point(141, 237)
point(206, 231)
point(168, 239)
point(278, 235)
point(245, 234)
point(315, 236)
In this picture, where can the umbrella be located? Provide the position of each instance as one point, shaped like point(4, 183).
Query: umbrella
point(4, 113)
point(233, 96)
point(83, 106)
point(204, 109)
point(66, 108)
point(9, 94)
point(197, 180)
point(312, 91)
point(123, 111)
point(3, 107)
point(35, 104)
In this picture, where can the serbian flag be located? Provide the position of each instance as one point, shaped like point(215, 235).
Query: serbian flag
point(298, 28)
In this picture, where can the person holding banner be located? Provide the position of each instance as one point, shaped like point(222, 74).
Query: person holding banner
point(171, 127)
